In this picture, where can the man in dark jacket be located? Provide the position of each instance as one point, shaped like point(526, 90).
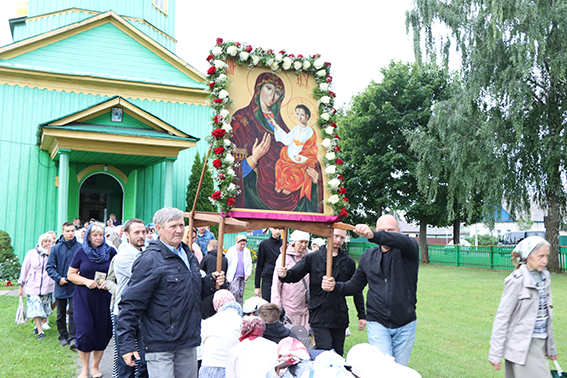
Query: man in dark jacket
point(209, 265)
point(390, 270)
point(165, 293)
point(328, 311)
point(57, 267)
point(268, 252)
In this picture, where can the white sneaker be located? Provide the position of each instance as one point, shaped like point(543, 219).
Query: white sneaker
point(45, 326)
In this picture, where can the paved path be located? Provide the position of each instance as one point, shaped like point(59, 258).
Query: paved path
point(107, 358)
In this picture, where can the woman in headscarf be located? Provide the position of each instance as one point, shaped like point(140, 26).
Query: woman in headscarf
point(219, 334)
point(37, 284)
point(88, 271)
point(522, 333)
point(293, 359)
point(257, 152)
point(254, 356)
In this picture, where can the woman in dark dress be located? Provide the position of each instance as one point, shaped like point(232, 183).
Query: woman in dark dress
point(91, 299)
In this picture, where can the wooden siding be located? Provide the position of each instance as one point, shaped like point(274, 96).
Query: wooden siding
point(28, 204)
point(118, 56)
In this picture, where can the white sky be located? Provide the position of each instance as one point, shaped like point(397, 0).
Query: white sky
point(358, 37)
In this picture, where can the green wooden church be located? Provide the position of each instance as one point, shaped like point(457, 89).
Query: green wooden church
point(98, 115)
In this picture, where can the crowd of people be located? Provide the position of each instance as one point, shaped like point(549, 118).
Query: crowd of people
point(172, 314)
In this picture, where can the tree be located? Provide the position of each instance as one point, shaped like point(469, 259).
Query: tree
point(513, 60)
point(379, 167)
point(207, 188)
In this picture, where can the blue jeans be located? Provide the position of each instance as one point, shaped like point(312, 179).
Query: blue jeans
point(396, 342)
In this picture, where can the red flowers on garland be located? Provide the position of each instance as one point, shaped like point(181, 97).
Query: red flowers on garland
point(218, 133)
point(343, 213)
point(217, 163)
point(219, 150)
point(216, 195)
point(212, 70)
point(230, 201)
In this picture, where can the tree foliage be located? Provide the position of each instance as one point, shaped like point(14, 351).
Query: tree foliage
point(380, 169)
point(207, 188)
point(513, 94)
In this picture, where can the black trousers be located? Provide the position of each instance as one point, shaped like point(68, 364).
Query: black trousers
point(62, 319)
point(267, 289)
point(329, 338)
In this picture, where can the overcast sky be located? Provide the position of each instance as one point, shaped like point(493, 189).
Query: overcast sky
point(358, 37)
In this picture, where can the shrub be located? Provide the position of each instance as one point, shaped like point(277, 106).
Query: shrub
point(10, 270)
point(6, 250)
point(485, 239)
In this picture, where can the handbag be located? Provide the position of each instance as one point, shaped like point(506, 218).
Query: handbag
point(307, 293)
point(21, 316)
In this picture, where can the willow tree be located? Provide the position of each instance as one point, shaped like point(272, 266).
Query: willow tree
point(513, 57)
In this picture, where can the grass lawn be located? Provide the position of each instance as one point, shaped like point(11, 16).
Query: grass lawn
point(455, 311)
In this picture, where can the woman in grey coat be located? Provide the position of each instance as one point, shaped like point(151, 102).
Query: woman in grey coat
point(522, 332)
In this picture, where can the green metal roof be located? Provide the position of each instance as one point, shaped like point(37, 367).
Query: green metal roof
point(118, 130)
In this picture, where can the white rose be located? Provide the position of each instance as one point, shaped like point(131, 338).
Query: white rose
point(223, 94)
point(217, 50)
point(330, 130)
point(306, 65)
point(232, 50)
point(274, 66)
point(334, 199)
point(231, 187)
point(227, 143)
point(325, 100)
point(330, 156)
point(326, 143)
point(244, 56)
point(297, 65)
point(222, 77)
point(230, 172)
point(229, 158)
point(279, 56)
point(325, 116)
point(286, 63)
point(255, 59)
point(224, 113)
point(227, 127)
point(330, 170)
point(318, 63)
point(322, 73)
point(324, 86)
point(219, 64)
point(334, 183)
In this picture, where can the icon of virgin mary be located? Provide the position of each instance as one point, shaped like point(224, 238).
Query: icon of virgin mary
point(257, 151)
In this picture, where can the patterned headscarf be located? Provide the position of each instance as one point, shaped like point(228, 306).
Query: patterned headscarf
point(232, 305)
point(252, 327)
point(528, 245)
point(221, 297)
point(99, 254)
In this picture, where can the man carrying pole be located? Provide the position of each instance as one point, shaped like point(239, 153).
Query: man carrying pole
point(328, 311)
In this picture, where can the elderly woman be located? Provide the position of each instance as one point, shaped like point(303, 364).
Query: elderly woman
point(254, 356)
point(37, 284)
point(88, 271)
point(291, 296)
point(239, 267)
point(522, 332)
point(293, 360)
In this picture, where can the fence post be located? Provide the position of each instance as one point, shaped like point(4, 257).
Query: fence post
point(457, 253)
point(491, 260)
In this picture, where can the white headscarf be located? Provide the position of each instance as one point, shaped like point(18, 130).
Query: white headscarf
point(299, 235)
point(528, 245)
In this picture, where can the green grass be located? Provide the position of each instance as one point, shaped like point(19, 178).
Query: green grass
point(21, 355)
point(455, 311)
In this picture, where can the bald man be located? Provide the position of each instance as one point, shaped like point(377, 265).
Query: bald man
point(390, 270)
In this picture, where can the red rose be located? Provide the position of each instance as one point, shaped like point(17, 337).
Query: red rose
point(216, 195)
point(219, 41)
point(230, 201)
point(343, 213)
point(218, 133)
point(316, 56)
point(299, 56)
point(212, 84)
point(217, 163)
point(340, 162)
point(327, 64)
point(333, 124)
point(210, 57)
point(212, 70)
point(217, 101)
point(329, 78)
point(332, 94)
point(337, 149)
point(342, 190)
point(221, 176)
point(332, 111)
point(345, 199)
point(291, 56)
point(219, 150)
point(237, 44)
point(218, 120)
point(341, 177)
point(337, 136)
point(248, 48)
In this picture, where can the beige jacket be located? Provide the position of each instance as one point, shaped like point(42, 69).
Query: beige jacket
point(515, 320)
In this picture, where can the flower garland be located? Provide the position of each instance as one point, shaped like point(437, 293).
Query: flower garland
point(219, 99)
